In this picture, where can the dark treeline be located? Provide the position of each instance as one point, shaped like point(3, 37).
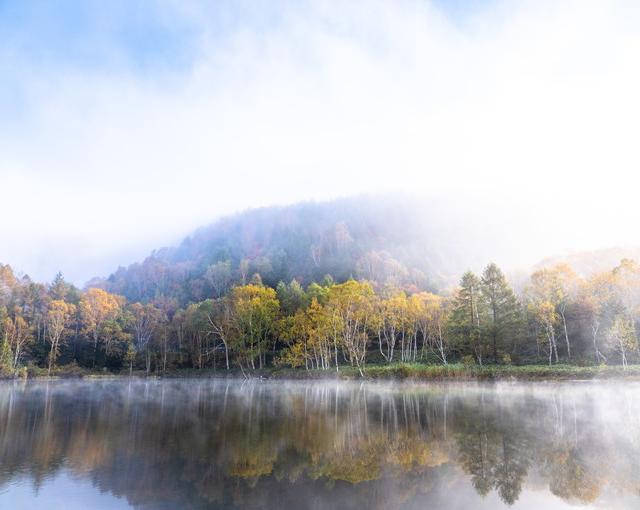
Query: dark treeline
point(558, 317)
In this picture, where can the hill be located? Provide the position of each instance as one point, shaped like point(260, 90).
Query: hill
point(387, 239)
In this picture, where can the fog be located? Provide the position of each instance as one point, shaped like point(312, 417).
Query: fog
point(123, 129)
point(257, 444)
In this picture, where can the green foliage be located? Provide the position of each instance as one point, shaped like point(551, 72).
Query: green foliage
point(6, 356)
point(292, 297)
point(468, 317)
point(345, 324)
point(468, 360)
point(503, 315)
point(255, 309)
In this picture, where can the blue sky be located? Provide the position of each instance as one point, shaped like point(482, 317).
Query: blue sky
point(94, 34)
point(143, 37)
point(125, 125)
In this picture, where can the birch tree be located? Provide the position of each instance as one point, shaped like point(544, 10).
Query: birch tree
point(97, 307)
point(59, 317)
point(17, 336)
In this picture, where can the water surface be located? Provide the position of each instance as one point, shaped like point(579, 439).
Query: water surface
point(310, 445)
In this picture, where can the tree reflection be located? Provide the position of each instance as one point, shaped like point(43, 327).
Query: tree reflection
point(265, 445)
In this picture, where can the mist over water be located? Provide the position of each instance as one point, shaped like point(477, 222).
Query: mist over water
point(235, 444)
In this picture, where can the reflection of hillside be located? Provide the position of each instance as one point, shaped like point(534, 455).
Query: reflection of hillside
point(213, 444)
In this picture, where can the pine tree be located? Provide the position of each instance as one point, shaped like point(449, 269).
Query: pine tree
point(468, 316)
point(502, 309)
point(59, 288)
point(5, 355)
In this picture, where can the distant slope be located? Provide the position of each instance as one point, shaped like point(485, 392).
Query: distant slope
point(587, 263)
point(393, 239)
point(387, 240)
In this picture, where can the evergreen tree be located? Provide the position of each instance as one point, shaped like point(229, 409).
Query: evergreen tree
point(468, 316)
point(502, 319)
point(5, 355)
point(59, 288)
point(292, 297)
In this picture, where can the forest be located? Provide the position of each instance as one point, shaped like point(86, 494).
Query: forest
point(247, 325)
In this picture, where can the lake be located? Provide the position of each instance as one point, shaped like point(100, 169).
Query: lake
point(165, 444)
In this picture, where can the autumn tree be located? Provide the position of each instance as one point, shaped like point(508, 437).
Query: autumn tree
point(146, 322)
point(8, 284)
point(545, 315)
point(255, 308)
point(130, 356)
point(219, 276)
point(621, 338)
point(627, 285)
point(545, 294)
point(308, 337)
point(597, 297)
point(98, 307)
point(17, 336)
point(432, 319)
point(196, 333)
point(59, 317)
point(554, 287)
point(391, 323)
point(350, 308)
point(220, 318)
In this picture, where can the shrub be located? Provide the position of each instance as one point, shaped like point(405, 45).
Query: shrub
point(402, 371)
point(34, 371)
point(468, 361)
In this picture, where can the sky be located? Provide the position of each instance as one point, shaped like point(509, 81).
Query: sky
point(125, 125)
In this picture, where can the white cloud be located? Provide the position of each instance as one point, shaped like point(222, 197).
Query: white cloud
point(533, 101)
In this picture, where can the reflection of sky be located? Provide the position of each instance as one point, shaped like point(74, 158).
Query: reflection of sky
point(612, 409)
point(462, 494)
point(63, 492)
point(60, 492)
point(541, 500)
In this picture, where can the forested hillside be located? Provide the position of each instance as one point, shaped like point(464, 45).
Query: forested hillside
point(384, 240)
point(320, 286)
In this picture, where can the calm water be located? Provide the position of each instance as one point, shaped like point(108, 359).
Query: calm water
point(268, 445)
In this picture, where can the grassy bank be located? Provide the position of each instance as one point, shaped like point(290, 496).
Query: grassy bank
point(422, 372)
point(396, 371)
point(418, 372)
point(499, 372)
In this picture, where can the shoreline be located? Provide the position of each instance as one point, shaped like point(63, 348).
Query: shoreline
point(395, 372)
